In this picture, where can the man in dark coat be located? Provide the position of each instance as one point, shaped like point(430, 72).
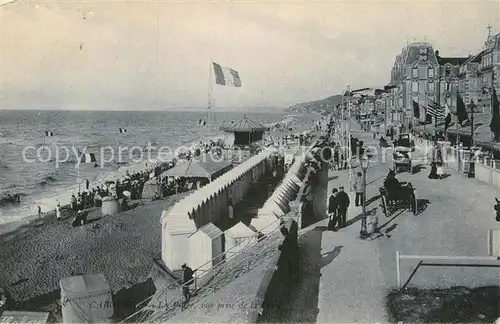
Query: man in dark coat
point(187, 281)
point(343, 204)
point(332, 210)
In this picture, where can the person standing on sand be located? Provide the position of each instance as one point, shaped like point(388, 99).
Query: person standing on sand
point(87, 184)
point(39, 212)
point(58, 211)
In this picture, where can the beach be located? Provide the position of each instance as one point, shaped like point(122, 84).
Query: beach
point(120, 246)
point(38, 252)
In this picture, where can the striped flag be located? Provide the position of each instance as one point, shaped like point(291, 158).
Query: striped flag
point(47, 133)
point(88, 158)
point(226, 76)
point(202, 122)
point(122, 130)
point(434, 110)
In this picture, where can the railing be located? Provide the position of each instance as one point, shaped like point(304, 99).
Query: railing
point(207, 280)
point(422, 258)
point(203, 277)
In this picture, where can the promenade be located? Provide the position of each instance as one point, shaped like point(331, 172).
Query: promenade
point(345, 279)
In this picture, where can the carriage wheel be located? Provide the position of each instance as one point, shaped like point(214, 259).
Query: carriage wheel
point(384, 205)
point(414, 202)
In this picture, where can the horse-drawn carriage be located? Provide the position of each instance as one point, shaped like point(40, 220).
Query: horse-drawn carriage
point(395, 198)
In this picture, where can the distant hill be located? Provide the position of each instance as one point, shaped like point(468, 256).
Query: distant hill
point(327, 104)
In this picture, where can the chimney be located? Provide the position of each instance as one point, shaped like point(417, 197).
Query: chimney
point(437, 53)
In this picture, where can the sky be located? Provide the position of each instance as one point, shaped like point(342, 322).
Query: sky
point(155, 55)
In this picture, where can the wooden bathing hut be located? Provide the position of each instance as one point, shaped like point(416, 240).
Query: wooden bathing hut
point(238, 237)
point(207, 205)
point(204, 245)
point(245, 131)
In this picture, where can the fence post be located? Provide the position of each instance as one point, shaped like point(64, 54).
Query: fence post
point(398, 273)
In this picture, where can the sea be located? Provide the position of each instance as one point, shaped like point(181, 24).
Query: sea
point(43, 171)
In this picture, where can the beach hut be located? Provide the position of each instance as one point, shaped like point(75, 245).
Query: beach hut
point(245, 131)
point(152, 189)
point(238, 237)
point(204, 245)
point(86, 299)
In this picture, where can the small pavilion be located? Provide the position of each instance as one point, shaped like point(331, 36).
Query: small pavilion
point(245, 131)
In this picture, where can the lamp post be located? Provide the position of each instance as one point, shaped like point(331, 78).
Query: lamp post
point(472, 105)
point(471, 172)
point(364, 166)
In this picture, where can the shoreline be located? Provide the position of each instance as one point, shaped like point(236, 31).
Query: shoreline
point(47, 200)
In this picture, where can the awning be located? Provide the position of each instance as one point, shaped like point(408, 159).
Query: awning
point(198, 169)
point(244, 125)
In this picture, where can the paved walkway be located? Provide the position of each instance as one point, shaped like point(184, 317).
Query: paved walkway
point(345, 279)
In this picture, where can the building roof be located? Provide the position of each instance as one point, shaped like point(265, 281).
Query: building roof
point(244, 125)
point(211, 231)
point(240, 230)
point(475, 58)
point(197, 169)
point(413, 51)
point(493, 43)
point(451, 60)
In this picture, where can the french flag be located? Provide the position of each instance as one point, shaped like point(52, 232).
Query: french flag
point(226, 76)
point(122, 130)
point(47, 133)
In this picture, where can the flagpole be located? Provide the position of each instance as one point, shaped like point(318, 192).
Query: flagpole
point(425, 116)
point(209, 92)
point(78, 162)
point(456, 126)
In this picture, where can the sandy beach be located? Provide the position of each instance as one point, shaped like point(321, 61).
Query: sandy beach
point(36, 255)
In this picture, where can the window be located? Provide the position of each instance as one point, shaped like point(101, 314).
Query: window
point(414, 72)
point(414, 86)
point(431, 72)
point(447, 71)
point(430, 86)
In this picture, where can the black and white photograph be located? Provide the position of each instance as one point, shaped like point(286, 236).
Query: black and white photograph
point(249, 161)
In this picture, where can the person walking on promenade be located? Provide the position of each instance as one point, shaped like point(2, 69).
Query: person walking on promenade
point(332, 210)
point(187, 281)
point(374, 220)
point(359, 186)
point(87, 184)
point(343, 204)
point(39, 212)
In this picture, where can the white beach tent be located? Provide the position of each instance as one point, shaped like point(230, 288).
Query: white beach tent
point(238, 237)
point(86, 299)
point(204, 245)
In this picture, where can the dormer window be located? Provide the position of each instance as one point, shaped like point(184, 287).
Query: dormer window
point(423, 54)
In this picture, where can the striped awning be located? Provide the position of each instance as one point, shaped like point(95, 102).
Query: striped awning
point(244, 125)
